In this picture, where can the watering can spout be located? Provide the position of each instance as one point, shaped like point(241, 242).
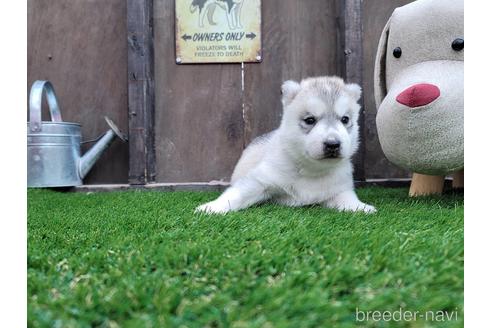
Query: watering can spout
point(92, 155)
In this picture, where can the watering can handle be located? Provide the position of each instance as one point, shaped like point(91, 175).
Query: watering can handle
point(36, 102)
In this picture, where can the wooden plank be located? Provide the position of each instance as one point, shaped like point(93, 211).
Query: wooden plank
point(352, 67)
point(221, 186)
point(299, 41)
point(163, 187)
point(376, 13)
point(218, 186)
point(141, 91)
point(199, 125)
point(80, 46)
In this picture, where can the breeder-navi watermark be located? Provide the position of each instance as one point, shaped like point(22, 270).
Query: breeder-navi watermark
point(406, 315)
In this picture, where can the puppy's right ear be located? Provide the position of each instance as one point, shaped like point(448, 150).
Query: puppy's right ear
point(290, 89)
point(354, 90)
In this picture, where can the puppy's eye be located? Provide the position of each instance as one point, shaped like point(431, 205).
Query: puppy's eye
point(397, 52)
point(345, 119)
point(310, 120)
point(458, 44)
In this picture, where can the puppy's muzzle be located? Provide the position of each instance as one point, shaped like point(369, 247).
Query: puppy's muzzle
point(331, 149)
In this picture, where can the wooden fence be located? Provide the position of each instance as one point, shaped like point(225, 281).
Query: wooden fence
point(190, 123)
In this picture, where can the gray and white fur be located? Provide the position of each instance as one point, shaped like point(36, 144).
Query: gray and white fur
point(307, 160)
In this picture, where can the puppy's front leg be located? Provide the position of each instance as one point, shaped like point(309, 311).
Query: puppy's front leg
point(348, 201)
point(244, 193)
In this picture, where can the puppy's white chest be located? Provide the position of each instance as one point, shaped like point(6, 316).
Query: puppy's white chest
point(305, 191)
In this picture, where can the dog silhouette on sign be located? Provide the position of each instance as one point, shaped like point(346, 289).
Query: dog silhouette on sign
point(232, 9)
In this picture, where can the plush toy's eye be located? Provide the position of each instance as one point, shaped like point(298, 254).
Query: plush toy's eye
point(397, 52)
point(345, 119)
point(310, 120)
point(458, 44)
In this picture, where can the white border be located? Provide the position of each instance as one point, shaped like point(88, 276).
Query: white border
point(478, 124)
point(478, 163)
point(13, 228)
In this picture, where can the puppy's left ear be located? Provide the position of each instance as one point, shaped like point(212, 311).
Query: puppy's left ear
point(290, 89)
point(354, 90)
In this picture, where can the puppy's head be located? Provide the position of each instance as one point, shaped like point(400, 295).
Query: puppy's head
point(320, 118)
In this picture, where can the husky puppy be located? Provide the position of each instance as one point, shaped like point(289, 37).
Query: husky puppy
point(307, 159)
point(232, 10)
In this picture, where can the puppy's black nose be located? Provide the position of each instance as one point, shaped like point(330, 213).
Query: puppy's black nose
point(331, 146)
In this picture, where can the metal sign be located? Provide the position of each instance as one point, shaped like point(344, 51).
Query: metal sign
point(218, 31)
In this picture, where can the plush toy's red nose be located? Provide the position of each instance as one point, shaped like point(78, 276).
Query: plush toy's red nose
point(419, 95)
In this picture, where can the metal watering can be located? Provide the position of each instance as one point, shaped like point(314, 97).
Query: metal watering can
point(53, 148)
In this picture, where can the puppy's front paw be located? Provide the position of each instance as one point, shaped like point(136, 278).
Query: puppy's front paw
point(357, 207)
point(366, 208)
point(213, 207)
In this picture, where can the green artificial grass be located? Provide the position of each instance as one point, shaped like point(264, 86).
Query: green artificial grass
point(144, 259)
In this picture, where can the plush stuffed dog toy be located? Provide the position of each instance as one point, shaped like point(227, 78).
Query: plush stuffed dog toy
point(419, 91)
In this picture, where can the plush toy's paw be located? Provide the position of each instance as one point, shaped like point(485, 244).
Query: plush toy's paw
point(213, 207)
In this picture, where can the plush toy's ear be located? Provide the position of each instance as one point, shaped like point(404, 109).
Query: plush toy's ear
point(380, 89)
point(354, 90)
point(289, 91)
